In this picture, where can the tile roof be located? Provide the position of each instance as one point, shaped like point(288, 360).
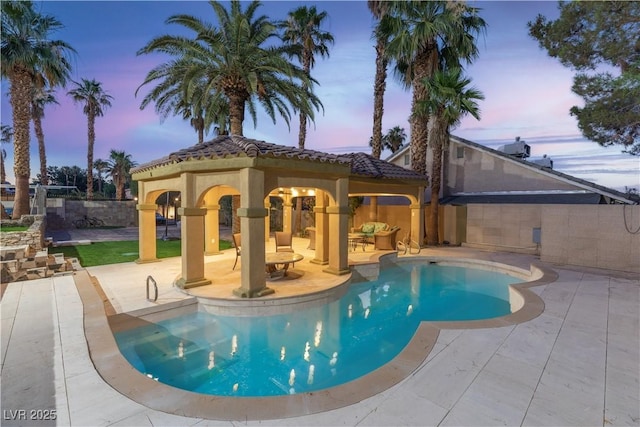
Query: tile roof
point(238, 146)
point(367, 165)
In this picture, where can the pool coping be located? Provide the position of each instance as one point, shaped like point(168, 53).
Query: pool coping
point(112, 366)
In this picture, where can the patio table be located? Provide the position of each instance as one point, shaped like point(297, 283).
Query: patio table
point(357, 238)
point(277, 263)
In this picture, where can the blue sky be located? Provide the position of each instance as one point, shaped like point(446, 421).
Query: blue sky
point(527, 94)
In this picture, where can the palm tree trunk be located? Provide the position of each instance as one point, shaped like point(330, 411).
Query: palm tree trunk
point(419, 123)
point(21, 107)
point(236, 117)
point(198, 124)
point(438, 132)
point(302, 136)
point(378, 98)
point(37, 126)
point(119, 189)
point(302, 133)
point(236, 114)
point(91, 121)
point(3, 175)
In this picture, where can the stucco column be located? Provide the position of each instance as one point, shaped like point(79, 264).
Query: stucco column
point(192, 245)
point(267, 219)
point(417, 223)
point(339, 229)
point(287, 212)
point(322, 229)
point(212, 230)
point(146, 233)
point(252, 214)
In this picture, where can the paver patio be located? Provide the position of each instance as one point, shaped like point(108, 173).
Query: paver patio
point(577, 364)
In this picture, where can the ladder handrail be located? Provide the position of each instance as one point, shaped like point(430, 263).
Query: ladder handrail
point(407, 245)
point(155, 287)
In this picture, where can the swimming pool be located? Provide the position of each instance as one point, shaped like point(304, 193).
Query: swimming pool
point(316, 348)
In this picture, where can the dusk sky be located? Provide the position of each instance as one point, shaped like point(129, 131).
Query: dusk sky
point(527, 93)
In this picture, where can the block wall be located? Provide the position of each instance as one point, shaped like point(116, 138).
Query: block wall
point(503, 227)
point(600, 236)
point(61, 213)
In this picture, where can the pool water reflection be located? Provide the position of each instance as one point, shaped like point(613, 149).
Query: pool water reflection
point(316, 348)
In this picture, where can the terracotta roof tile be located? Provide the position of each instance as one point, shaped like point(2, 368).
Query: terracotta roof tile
point(367, 165)
point(238, 146)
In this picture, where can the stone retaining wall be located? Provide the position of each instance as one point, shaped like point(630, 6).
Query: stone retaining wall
point(33, 237)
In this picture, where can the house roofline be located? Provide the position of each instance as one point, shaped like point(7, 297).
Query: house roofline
point(605, 191)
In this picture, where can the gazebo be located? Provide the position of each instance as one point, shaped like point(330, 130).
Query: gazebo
point(256, 170)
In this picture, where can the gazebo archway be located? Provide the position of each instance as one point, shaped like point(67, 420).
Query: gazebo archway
point(253, 169)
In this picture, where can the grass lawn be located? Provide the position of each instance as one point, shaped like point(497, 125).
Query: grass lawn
point(103, 253)
point(6, 228)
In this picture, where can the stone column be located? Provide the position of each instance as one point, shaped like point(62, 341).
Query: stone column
point(146, 233)
point(212, 230)
point(267, 219)
point(322, 229)
point(192, 245)
point(252, 214)
point(417, 222)
point(287, 212)
point(339, 229)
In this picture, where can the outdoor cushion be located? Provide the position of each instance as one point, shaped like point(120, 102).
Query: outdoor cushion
point(379, 226)
point(368, 227)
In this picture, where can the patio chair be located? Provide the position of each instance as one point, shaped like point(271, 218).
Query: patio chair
point(386, 239)
point(283, 241)
point(236, 244)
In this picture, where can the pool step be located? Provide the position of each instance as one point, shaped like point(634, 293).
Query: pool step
point(181, 367)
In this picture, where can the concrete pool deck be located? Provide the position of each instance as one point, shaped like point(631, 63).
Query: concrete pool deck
point(578, 363)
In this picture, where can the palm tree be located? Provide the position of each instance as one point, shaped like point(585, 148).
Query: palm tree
point(422, 37)
point(239, 60)
point(449, 101)
point(379, 10)
point(120, 164)
point(393, 140)
point(40, 98)
point(66, 171)
point(175, 95)
point(75, 171)
point(28, 52)
point(7, 137)
point(305, 39)
point(100, 166)
point(94, 100)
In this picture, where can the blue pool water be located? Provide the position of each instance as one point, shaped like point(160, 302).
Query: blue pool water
point(318, 347)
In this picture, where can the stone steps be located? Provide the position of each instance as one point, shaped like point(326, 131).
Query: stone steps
point(19, 263)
